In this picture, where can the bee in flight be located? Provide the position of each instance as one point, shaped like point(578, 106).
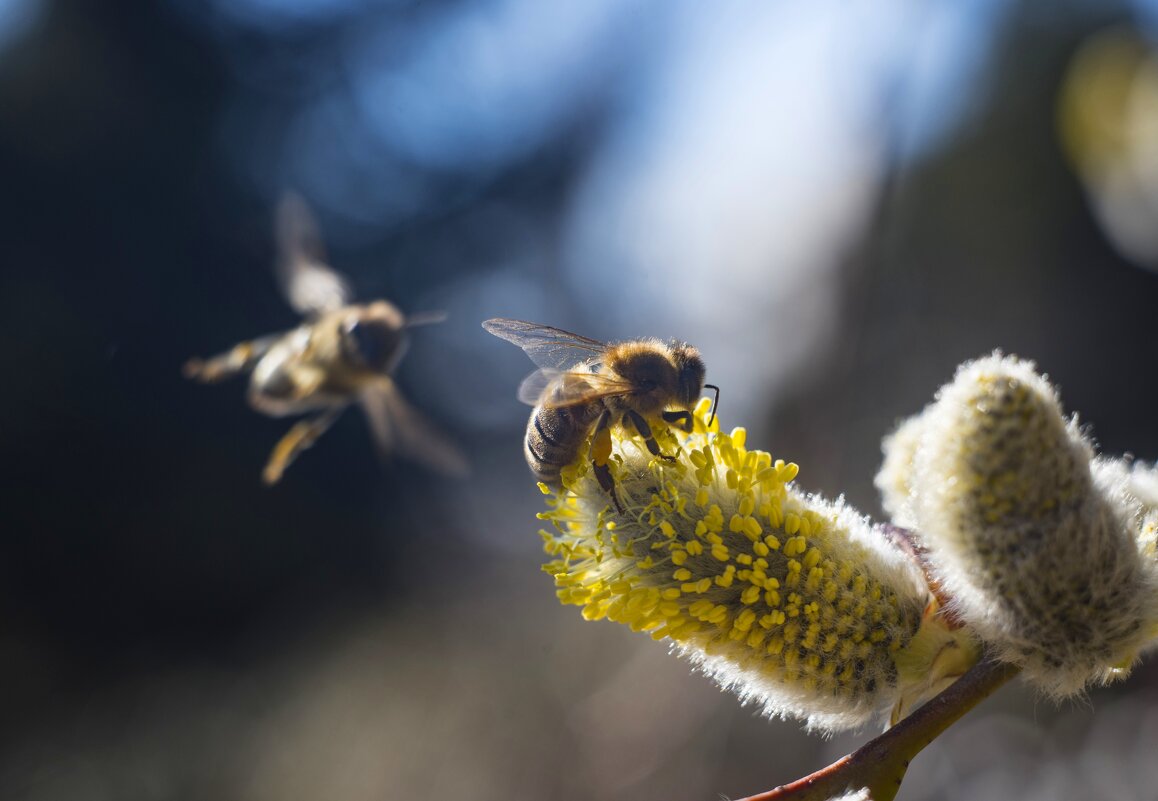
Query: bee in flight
point(583, 387)
point(341, 354)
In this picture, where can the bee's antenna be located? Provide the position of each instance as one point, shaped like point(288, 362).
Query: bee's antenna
point(425, 318)
point(715, 402)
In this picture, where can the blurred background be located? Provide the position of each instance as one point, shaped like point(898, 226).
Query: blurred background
point(836, 201)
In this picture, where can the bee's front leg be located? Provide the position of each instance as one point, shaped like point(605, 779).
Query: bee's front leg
point(640, 424)
point(601, 455)
point(239, 359)
point(682, 420)
point(303, 434)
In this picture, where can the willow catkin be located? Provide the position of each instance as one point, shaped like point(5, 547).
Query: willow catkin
point(795, 603)
point(1038, 554)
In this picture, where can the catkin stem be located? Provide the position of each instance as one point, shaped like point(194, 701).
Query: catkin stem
point(880, 764)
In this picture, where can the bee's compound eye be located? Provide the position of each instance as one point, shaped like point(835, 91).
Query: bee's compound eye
point(378, 346)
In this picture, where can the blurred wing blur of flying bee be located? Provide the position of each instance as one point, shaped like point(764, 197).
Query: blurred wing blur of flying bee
point(309, 284)
point(400, 428)
point(342, 353)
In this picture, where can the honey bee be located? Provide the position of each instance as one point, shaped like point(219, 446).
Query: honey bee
point(341, 354)
point(583, 387)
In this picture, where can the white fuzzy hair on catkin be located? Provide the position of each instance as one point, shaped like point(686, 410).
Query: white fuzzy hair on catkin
point(1037, 549)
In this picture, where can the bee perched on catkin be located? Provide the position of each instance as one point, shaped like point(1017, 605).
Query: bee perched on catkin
point(795, 603)
point(1037, 545)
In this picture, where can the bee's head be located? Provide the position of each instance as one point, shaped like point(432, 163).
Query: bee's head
point(690, 372)
point(375, 336)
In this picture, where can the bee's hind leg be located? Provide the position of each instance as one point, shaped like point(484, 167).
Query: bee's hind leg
point(303, 434)
point(601, 455)
point(640, 425)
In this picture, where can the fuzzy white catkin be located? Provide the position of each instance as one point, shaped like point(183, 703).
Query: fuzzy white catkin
point(1133, 487)
point(1037, 548)
point(797, 604)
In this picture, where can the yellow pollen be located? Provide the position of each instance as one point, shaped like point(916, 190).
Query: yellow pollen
point(714, 552)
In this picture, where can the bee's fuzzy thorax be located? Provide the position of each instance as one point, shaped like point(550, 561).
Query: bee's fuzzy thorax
point(661, 374)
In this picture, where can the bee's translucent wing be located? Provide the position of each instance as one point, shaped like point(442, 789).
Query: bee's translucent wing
point(401, 429)
point(557, 388)
point(309, 284)
point(550, 348)
point(533, 386)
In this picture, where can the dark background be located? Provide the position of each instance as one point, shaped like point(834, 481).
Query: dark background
point(835, 233)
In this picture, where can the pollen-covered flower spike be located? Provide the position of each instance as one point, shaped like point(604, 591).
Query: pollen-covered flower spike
point(1037, 551)
point(795, 603)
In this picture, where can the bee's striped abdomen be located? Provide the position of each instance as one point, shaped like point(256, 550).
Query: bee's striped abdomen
point(554, 437)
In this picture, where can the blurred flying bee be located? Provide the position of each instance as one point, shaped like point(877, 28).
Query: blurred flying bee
point(342, 354)
point(583, 387)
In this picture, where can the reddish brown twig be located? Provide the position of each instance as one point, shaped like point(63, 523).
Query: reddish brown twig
point(880, 764)
point(907, 542)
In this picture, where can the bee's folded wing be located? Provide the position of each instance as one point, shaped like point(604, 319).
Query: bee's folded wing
point(558, 388)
